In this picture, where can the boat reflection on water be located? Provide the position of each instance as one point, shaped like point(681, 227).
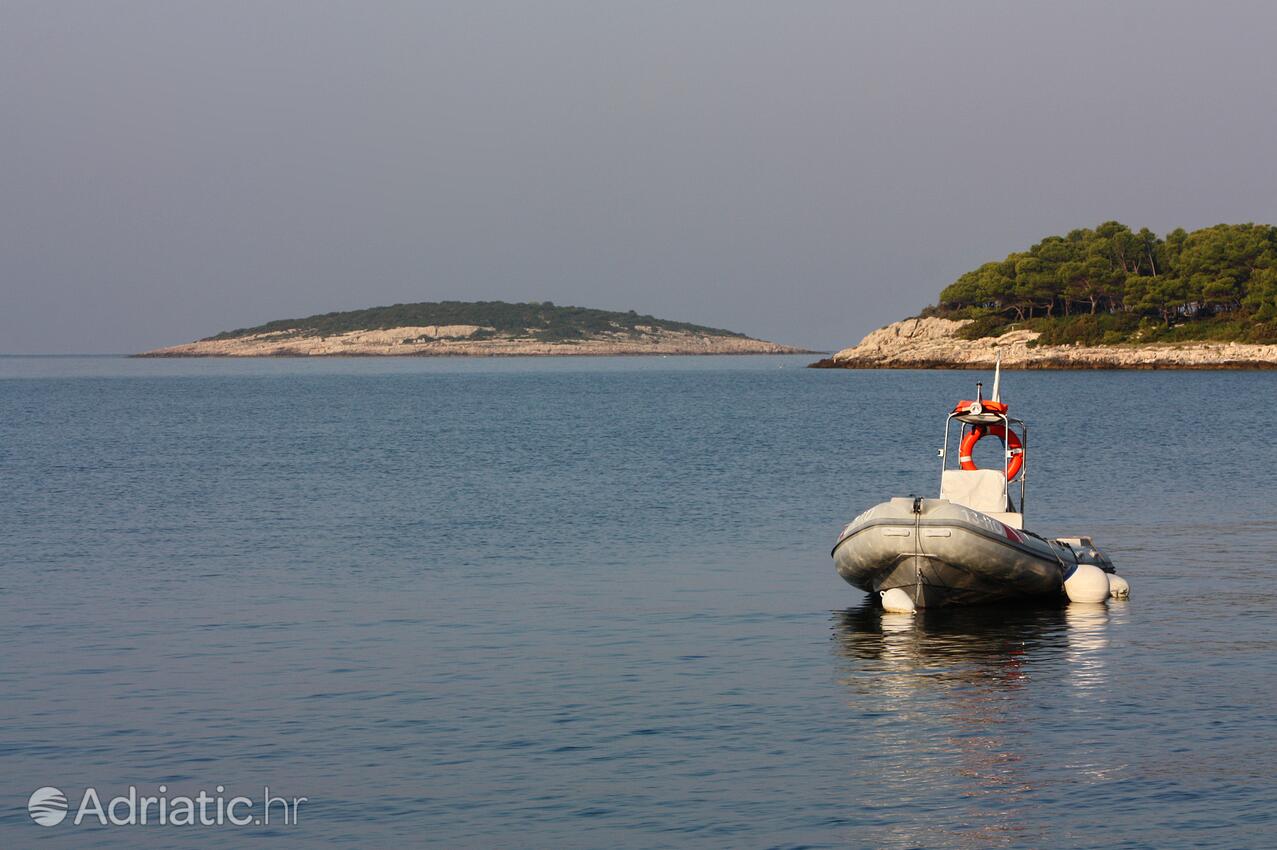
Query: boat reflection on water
point(954, 709)
point(998, 638)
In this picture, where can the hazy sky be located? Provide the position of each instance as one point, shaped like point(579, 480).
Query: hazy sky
point(799, 171)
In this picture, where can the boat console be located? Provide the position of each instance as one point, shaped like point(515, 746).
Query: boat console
point(986, 490)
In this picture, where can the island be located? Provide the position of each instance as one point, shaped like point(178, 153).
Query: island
point(1102, 298)
point(477, 328)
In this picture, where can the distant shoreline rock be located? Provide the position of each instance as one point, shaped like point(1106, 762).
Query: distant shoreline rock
point(932, 343)
point(369, 344)
point(493, 329)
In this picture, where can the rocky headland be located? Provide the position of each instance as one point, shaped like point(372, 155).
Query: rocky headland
point(933, 343)
point(1107, 297)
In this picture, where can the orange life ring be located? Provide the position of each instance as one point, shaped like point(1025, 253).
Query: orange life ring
point(1009, 438)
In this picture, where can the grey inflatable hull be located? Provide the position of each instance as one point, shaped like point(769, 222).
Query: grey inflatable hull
point(947, 554)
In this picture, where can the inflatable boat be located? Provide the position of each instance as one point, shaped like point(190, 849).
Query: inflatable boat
point(970, 545)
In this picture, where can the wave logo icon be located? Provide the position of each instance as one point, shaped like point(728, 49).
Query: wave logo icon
point(48, 806)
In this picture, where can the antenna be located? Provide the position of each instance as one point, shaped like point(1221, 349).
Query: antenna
point(997, 379)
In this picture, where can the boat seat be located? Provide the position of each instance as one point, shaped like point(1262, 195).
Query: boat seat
point(978, 489)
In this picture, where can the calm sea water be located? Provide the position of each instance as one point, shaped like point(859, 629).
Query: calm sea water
point(589, 603)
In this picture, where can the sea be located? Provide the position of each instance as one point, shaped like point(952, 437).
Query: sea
point(579, 602)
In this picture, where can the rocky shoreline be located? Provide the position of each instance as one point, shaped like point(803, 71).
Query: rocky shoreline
point(932, 343)
point(466, 341)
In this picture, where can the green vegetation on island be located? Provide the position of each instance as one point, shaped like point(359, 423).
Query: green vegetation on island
point(1112, 285)
point(544, 321)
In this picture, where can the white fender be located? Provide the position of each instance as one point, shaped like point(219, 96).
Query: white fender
point(1087, 583)
point(1119, 588)
point(896, 601)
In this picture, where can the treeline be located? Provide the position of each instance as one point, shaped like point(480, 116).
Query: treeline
point(1224, 275)
point(545, 320)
